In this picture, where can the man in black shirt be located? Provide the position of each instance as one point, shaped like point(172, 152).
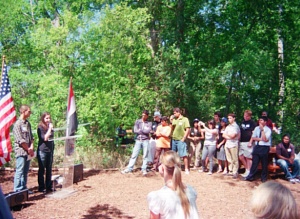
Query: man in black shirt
point(245, 152)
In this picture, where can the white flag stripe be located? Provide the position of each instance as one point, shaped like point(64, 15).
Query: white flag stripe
point(7, 106)
point(10, 117)
point(5, 98)
point(72, 107)
point(2, 160)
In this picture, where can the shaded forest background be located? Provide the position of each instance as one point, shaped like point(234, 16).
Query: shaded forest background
point(126, 56)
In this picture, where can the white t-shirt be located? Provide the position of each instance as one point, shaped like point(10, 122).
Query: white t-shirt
point(167, 204)
point(232, 129)
point(211, 139)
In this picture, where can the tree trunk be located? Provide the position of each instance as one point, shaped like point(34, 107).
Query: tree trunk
point(281, 74)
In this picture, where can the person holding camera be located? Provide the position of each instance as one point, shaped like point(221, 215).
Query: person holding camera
point(209, 148)
point(45, 152)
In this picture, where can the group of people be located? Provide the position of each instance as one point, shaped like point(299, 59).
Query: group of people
point(24, 150)
point(154, 139)
point(232, 144)
point(164, 144)
point(248, 143)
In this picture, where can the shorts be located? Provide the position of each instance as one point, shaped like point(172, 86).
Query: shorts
point(180, 147)
point(245, 150)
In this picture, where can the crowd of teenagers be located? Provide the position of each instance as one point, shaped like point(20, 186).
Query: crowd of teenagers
point(221, 139)
point(167, 141)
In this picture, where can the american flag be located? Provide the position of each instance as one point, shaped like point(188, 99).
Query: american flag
point(7, 116)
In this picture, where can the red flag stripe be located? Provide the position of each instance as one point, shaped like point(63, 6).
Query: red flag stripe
point(6, 146)
point(7, 116)
point(71, 101)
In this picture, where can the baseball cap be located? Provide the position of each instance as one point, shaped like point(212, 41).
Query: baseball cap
point(196, 120)
point(157, 114)
point(224, 119)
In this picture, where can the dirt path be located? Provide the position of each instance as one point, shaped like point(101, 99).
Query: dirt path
point(109, 194)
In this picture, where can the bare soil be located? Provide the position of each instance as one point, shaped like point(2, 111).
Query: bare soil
point(109, 194)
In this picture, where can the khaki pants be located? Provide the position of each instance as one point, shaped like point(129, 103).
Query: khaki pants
point(233, 159)
point(194, 150)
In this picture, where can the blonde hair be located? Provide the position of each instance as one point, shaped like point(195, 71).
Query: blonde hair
point(172, 163)
point(273, 200)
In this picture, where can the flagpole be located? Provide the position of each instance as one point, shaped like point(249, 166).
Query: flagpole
point(3, 59)
point(67, 130)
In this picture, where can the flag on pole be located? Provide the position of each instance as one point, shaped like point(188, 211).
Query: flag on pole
point(71, 115)
point(7, 116)
point(72, 122)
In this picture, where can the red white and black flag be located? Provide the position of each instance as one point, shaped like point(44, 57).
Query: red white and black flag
point(7, 116)
point(72, 121)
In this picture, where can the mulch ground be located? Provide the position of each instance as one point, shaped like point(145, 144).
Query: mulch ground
point(109, 194)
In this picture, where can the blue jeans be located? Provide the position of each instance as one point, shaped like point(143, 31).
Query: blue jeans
point(180, 147)
point(45, 160)
point(22, 168)
point(208, 151)
point(284, 165)
point(135, 153)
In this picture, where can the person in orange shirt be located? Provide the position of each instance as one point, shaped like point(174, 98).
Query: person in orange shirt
point(163, 140)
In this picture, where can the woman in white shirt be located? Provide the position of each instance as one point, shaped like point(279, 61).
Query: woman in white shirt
point(209, 148)
point(174, 199)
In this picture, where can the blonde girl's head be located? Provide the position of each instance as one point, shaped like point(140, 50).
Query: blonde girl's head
point(273, 200)
point(171, 162)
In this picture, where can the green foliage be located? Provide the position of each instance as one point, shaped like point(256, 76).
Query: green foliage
point(126, 56)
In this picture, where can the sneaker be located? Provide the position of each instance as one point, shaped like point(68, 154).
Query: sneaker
point(292, 181)
point(209, 173)
point(296, 180)
point(201, 170)
point(144, 172)
point(246, 173)
point(194, 168)
point(126, 171)
point(187, 172)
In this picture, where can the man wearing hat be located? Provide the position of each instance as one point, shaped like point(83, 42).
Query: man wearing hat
point(152, 142)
